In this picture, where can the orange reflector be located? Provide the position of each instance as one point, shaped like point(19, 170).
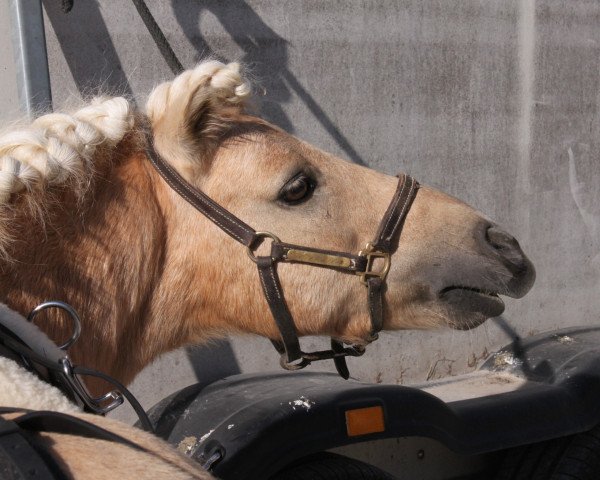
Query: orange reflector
point(361, 421)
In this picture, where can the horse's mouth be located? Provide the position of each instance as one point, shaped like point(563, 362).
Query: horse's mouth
point(471, 306)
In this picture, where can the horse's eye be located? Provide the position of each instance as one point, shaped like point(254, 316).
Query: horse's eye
point(297, 190)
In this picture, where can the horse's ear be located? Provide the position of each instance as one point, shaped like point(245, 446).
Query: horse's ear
point(188, 114)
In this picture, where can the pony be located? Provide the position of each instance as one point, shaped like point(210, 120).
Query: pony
point(86, 219)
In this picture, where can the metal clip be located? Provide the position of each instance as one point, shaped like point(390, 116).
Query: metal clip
point(299, 365)
point(371, 254)
point(96, 404)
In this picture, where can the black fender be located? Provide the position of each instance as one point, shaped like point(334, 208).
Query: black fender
point(259, 423)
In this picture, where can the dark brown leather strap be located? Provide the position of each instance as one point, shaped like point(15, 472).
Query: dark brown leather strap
point(274, 295)
point(386, 241)
point(393, 219)
point(340, 362)
point(227, 222)
point(375, 301)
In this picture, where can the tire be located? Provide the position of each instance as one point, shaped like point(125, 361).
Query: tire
point(330, 466)
point(576, 457)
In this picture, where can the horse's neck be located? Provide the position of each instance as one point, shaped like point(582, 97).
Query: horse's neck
point(105, 262)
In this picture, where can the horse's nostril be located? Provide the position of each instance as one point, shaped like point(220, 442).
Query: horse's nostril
point(507, 247)
point(502, 247)
point(500, 240)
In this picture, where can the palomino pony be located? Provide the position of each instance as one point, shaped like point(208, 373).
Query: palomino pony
point(87, 219)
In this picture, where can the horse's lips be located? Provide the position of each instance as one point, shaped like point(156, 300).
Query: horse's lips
point(471, 301)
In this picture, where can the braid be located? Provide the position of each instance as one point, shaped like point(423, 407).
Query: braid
point(58, 147)
point(212, 80)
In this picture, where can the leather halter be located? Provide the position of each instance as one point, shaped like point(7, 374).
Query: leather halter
point(362, 264)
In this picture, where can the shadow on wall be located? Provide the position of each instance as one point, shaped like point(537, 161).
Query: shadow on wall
point(213, 361)
point(265, 52)
point(92, 64)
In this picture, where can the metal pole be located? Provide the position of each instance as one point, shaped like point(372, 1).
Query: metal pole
point(31, 58)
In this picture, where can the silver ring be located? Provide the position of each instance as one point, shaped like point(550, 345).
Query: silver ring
point(67, 308)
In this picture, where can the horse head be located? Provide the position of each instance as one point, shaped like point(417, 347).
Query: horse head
point(149, 273)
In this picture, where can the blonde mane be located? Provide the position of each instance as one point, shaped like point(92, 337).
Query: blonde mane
point(222, 83)
point(62, 149)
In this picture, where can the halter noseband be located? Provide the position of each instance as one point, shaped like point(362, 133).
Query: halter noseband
point(361, 264)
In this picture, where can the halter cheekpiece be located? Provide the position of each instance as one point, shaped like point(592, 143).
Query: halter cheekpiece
point(361, 264)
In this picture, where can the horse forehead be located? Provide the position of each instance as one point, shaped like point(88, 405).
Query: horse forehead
point(273, 148)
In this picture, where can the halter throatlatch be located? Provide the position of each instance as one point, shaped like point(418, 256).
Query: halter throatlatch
point(363, 264)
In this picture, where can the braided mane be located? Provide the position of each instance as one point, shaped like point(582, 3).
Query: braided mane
point(59, 147)
point(63, 149)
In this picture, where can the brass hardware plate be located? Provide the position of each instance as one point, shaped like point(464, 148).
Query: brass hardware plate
point(318, 258)
point(371, 254)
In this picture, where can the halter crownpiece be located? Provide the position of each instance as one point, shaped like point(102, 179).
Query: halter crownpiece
point(361, 264)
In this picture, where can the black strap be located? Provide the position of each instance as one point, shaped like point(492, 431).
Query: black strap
point(375, 301)
point(340, 362)
point(21, 458)
point(33, 422)
point(386, 241)
point(143, 417)
point(14, 325)
point(57, 422)
point(74, 389)
point(158, 37)
point(274, 295)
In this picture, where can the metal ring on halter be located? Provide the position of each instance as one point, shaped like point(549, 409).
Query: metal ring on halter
point(261, 236)
point(355, 350)
point(303, 362)
point(67, 308)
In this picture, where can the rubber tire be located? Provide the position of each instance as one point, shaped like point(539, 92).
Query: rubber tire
point(576, 457)
point(330, 466)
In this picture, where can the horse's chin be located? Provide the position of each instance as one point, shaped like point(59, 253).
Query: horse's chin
point(470, 307)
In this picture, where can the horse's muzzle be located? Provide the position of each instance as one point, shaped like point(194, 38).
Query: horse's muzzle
point(508, 252)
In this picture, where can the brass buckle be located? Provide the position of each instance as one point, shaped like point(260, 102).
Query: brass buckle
point(260, 236)
point(371, 255)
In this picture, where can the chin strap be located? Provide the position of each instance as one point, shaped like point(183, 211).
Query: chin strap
point(362, 264)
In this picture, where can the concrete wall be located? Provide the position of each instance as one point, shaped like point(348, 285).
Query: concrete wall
point(494, 101)
point(9, 94)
